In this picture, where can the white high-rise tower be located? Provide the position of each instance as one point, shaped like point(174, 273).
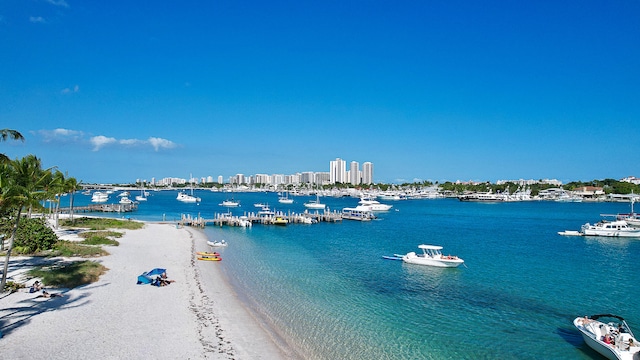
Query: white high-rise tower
point(338, 171)
point(367, 173)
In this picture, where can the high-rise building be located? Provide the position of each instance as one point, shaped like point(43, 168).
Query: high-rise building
point(338, 171)
point(354, 173)
point(367, 173)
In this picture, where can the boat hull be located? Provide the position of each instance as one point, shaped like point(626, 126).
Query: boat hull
point(447, 263)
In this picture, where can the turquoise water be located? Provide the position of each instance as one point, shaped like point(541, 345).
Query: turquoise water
point(327, 289)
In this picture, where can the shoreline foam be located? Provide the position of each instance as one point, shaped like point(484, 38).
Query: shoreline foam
point(198, 316)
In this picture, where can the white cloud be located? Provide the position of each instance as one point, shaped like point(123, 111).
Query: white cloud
point(37, 19)
point(74, 89)
point(130, 142)
point(60, 135)
point(159, 143)
point(101, 141)
point(62, 3)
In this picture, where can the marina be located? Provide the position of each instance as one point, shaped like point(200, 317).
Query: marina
point(330, 281)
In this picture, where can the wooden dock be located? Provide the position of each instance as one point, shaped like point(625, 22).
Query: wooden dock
point(249, 219)
point(101, 208)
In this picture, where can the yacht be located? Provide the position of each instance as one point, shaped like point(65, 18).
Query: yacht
point(99, 197)
point(482, 197)
point(357, 214)
point(618, 228)
point(125, 200)
point(373, 205)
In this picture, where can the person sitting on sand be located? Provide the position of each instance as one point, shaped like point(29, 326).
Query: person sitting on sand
point(37, 286)
point(45, 294)
point(164, 280)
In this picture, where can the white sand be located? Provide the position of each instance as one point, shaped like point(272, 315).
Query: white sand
point(197, 317)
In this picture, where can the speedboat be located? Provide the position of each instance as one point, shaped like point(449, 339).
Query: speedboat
point(280, 221)
point(373, 205)
point(609, 335)
point(217, 243)
point(618, 228)
point(432, 256)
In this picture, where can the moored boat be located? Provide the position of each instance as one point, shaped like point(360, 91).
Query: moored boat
point(315, 204)
point(357, 214)
point(230, 203)
point(618, 228)
point(609, 335)
point(373, 205)
point(217, 243)
point(432, 256)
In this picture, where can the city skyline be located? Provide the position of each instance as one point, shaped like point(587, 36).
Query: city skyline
point(118, 91)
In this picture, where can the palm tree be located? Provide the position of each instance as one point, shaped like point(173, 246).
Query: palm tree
point(71, 185)
point(9, 134)
point(22, 185)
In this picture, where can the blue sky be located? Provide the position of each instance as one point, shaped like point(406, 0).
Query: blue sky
point(430, 90)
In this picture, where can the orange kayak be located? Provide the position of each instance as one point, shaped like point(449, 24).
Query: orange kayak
point(204, 253)
point(210, 258)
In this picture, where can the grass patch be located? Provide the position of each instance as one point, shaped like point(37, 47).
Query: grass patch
point(102, 223)
point(69, 274)
point(101, 237)
point(71, 249)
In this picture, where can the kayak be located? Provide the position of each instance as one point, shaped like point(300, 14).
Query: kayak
point(210, 258)
point(204, 253)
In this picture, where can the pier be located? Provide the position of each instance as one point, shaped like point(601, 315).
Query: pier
point(247, 220)
point(101, 208)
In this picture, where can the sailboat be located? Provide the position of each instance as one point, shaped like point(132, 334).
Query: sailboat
point(142, 196)
point(186, 198)
point(314, 204)
point(285, 199)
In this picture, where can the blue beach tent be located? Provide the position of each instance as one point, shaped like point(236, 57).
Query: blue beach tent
point(147, 277)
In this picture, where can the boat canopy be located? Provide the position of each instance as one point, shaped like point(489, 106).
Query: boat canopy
point(430, 247)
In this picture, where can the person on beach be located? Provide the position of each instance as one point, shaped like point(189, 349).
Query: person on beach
point(37, 286)
point(45, 294)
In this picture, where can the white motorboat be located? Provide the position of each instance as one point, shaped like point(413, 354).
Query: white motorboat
point(373, 205)
point(618, 228)
point(609, 335)
point(123, 194)
point(125, 200)
point(285, 199)
point(432, 256)
point(230, 203)
point(482, 197)
point(217, 243)
point(186, 198)
point(315, 204)
point(99, 197)
point(260, 205)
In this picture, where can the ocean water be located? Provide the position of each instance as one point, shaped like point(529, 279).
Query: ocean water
point(326, 288)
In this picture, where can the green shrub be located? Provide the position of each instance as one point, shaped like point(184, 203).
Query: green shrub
point(75, 249)
point(33, 235)
point(103, 223)
point(69, 274)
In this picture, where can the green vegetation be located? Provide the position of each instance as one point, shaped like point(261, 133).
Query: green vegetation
point(74, 249)
point(33, 235)
point(12, 286)
point(103, 223)
point(69, 274)
point(100, 237)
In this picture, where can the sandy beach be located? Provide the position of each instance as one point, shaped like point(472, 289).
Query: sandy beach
point(196, 317)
